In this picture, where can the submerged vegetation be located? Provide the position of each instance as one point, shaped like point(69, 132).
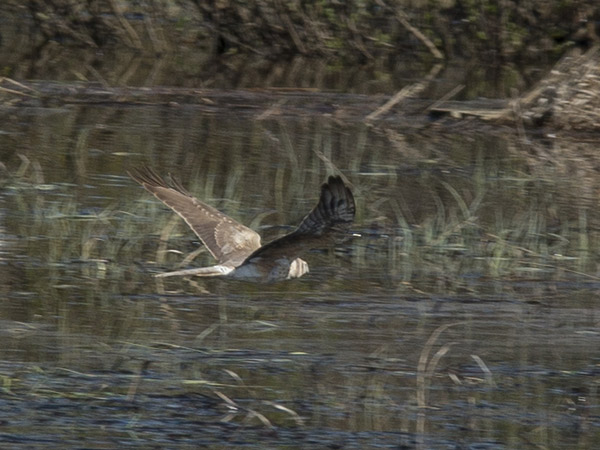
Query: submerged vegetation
point(476, 224)
point(453, 218)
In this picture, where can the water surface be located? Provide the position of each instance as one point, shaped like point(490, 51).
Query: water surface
point(463, 314)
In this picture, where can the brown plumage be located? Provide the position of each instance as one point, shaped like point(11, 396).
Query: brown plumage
point(237, 248)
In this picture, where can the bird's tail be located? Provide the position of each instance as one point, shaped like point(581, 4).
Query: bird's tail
point(334, 212)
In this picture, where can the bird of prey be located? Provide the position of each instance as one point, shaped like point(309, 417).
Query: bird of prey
point(237, 248)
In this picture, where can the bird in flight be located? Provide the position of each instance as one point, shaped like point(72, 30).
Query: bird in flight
point(237, 248)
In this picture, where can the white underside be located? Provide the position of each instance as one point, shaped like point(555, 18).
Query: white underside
point(280, 270)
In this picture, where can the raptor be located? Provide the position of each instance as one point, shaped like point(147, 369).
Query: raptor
point(237, 248)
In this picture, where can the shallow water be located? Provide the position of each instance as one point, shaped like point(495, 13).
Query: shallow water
point(464, 315)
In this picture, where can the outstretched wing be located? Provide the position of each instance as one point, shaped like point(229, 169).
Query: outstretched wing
point(333, 214)
point(228, 241)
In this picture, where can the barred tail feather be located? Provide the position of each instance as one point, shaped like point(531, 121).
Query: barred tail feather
point(334, 212)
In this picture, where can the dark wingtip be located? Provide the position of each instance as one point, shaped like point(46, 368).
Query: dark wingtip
point(150, 180)
point(334, 179)
point(342, 193)
point(142, 174)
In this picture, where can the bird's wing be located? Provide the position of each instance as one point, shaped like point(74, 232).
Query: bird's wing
point(228, 241)
point(333, 214)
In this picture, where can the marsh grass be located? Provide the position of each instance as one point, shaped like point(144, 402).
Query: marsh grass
point(70, 240)
point(543, 230)
point(448, 228)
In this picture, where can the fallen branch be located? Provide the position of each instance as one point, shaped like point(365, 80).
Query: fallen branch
point(406, 91)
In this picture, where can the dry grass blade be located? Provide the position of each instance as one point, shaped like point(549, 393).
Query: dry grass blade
point(135, 40)
point(445, 97)
point(25, 163)
point(432, 364)
point(291, 412)
point(34, 93)
point(234, 375)
point(228, 402)
point(191, 256)
point(251, 414)
point(405, 92)
point(483, 366)
point(161, 251)
point(12, 91)
point(424, 368)
point(16, 83)
point(459, 200)
point(205, 333)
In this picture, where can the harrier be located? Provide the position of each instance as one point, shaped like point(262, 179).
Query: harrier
point(237, 248)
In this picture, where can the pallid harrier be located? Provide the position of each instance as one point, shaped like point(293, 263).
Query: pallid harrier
point(237, 248)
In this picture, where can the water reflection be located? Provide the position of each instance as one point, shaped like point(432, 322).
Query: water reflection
point(464, 314)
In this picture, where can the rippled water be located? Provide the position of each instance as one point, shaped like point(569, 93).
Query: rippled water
point(465, 315)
